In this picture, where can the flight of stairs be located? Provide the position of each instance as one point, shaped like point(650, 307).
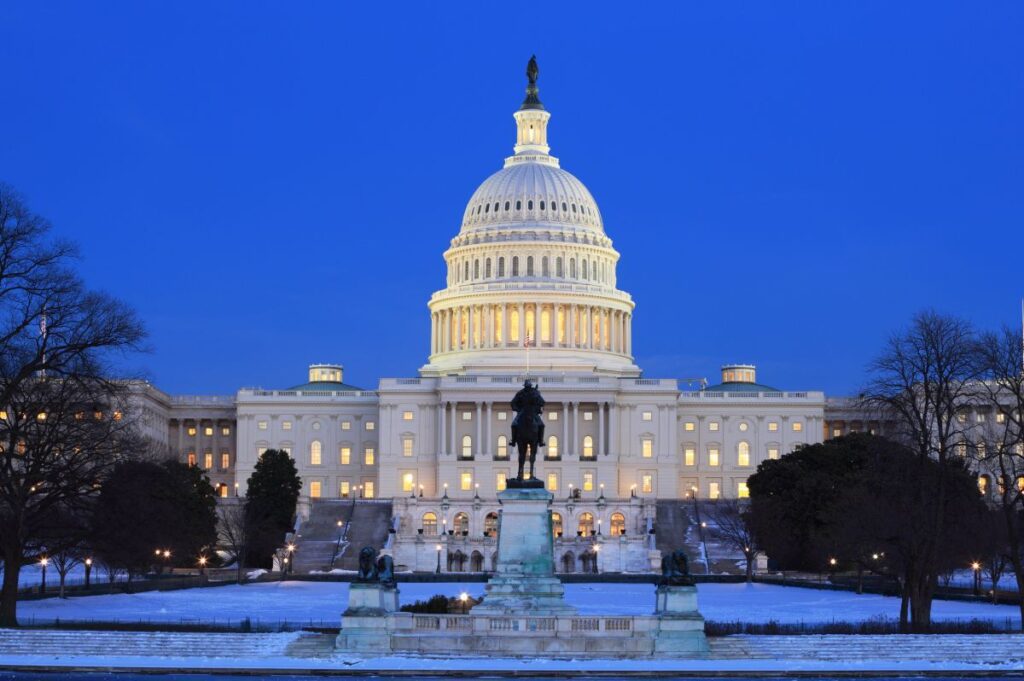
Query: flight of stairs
point(320, 545)
point(370, 523)
point(677, 528)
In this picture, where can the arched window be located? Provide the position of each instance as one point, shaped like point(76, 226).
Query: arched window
point(564, 207)
point(496, 205)
point(491, 524)
point(467, 447)
point(558, 266)
point(487, 268)
point(743, 454)
point(487, 208)
point(569, 562)
point(502, 450)
point(554, 206)
point(556, 525)
point(501, 267)
point(586, 525)
point(583, 269)
point(519, 205)
point(588, 447)
point(545, 271)
point(572, 268)
point(506, 206)
point(513, 325)
point(529, 265)
point(529, 205)
point(465, 276)
point(476, 269)
point(553, 447)
point(983, 486)
point(618, 524)
point(593, 270)
point(461, 523)
point(542, 204)
point(476, 562)
point(315, 453)
point(515, 266)
point(574, 208)
point(429, 523)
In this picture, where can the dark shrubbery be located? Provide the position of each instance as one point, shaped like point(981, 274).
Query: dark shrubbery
point(441, 605)
point(881, 625)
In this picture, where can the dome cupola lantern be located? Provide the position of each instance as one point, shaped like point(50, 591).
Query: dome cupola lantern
point(532, 119)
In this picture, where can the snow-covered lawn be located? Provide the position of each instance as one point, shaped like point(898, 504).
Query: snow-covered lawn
point(302, 603)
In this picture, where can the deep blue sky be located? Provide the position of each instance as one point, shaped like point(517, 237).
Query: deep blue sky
point(272, 184)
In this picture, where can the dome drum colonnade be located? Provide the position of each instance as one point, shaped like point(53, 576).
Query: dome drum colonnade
point(531, 263)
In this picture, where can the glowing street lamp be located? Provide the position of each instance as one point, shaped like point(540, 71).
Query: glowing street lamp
point(43, 562)
point(463, 601)
point(88, 571)
point(438, 549)
point(976, 566)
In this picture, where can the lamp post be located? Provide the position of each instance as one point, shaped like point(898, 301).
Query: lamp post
point(463, 600)
point(700, 529)
point(167, 559)
point(202, 564)
point(597, 557)
point(88, 571)
point(43, 562)
point(290, 561)
point(438, 570)
point(976, 566)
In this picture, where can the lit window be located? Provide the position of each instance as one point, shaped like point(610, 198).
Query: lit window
point(647, 483)
point(429, 523)
point(191, 458)
point(315, 451)
point(368, 489)
point(191, 430)
point(773, 452)
point(314, 489)
point(467, 416)
point(208, 460)
point(406, 446)
point(1001, 417)
point(222, 490)
point(983, 485)
point(741, 490)
point(773, 426)
point(287, 450)
point(618, 524)
point(713, 456)
point(225, 460)
point(552, 482)
point(370, 425)
point(346, 425)
point(588, 416)
point(501, 481)
point(552, 447)
point(225, 430)
point(467, 447)
point(407, 416)
point(743, 454)
point(260, 451)
point(552, 416)
point(208, 431)
point(588, 481)
point(585, 527)
point(344, 489)
point(690, 456)
point(647, 448)
point(836, 432)
point(743, 427)
point(647, 416)
point(465, 481)
point(588, 447)
point(797, 426)
point(262, 425)
point(502, 415)
point(368, 456)
point(714, 490)
point(689, 426)
point(713, 426)
point(502, 452)
point(286, 425)
point(407, 482)
point(346, 455)
point(979, 418)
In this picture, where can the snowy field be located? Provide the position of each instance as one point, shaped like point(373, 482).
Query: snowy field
point(302, 603)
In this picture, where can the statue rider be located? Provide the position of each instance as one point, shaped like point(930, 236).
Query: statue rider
point(526, 398)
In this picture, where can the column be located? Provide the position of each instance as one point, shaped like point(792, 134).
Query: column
point(479, 429)
point(522, 323)
point(439, 434)
point(469, 328)
point(570, 332)
point(576, 444)
point(614, 414)
point(629, 336)
point(504, 325)
point(181, 438)
point(433, 333)
point(565, 431)
point(488, 436)
point(588, 314)
point(600, 430)
point(451, 436)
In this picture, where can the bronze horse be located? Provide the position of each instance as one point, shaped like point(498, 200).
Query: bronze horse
point(527, 427)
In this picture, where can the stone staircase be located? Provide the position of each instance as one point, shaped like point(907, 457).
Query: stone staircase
point(677, 527)
point(322, 546)
point(67, 642)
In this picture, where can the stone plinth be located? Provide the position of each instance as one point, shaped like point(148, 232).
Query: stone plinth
point(680, 624)
point(524, 580)
point(371, 599)
point(365, 625)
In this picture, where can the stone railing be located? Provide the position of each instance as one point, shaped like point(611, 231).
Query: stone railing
point(259, 392)
point(532, 625)
point(756, 395)
point(203, 400)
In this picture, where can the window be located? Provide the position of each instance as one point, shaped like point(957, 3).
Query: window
point(588, 481)
point(647, 483)
point(491, 525)
point(407, 416)
point(585, 527)
point(689, 426)
point(713, 456)
point(466, 481)
point(222, 490)
point(191, 458)
point(429, 523)
point(260, 451)
point(368, 489)
point(208, 431)
point(552, 447)
point(314, 489)
point(773, 452)
point(344, 489)
point(467, 447)
point(467, 416)
point(713, 426)
point(368, 456)
point(225, 461)
point(371, 425)
point(647, 447)
point(408, 482)
point(552, 416)
point(773, 426)
point(500, 481)
point(1001, 417)
point(979, 418)
point(345, 455)
point(208, 460)
point(191, 431)
point(588, 447)
point(743, 454)
point(461, 523)
point(797, 426)
point(836, 432)
point(618, 524)
point(552, 482)
point(588, 416)
point(502, 450)
point(647, 416)
point(983, 485)
point(556, 525)
point(743, 427)
point(689, 456)
point(406, 446)
point(225, 430)
point(714, 490)
point(315, 451)
point(346, 425)
point(286, 450)
point(286, 425)
point(502, 415)
point(741, 491)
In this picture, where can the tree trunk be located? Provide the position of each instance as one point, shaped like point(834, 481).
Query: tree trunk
point(921, 605)
point(860, 578)
point(750, 569)
point(9, 592)
point(904, 606)
point(1018, 571)
point(63, 577)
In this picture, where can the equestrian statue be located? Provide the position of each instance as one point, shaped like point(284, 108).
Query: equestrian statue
point(527, 428)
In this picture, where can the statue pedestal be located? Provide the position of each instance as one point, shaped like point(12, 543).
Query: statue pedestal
point(371, 598)
point(524, 580)
point(366, 623)
point(680, 624)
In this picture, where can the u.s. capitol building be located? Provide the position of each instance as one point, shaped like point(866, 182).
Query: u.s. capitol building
point(531, 291)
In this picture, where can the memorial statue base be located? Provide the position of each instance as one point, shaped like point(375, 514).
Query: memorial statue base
point(365, 623)
point(680, 624)
point(524, 580)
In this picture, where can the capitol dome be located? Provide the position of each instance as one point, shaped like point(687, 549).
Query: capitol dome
point(531, 272)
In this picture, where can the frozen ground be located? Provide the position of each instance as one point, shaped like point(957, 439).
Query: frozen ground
point(322, 602)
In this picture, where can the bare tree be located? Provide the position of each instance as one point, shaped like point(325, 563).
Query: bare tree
point(235, 530)
point(63, 422)
point(729, 523)
point(922, 381)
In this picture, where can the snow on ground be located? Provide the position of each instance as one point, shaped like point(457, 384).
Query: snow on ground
point(321, 603)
